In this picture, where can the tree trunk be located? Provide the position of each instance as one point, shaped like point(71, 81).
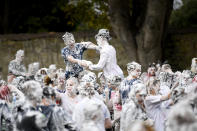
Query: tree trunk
point(120, 18)
point(142, 27)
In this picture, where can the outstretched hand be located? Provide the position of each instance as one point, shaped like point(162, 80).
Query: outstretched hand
point(71, 59)
point(84, 63)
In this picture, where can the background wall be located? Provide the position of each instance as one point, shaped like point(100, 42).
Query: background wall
point(179, 49)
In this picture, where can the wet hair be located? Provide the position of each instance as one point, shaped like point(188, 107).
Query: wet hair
point(67, 36)
point(30, 120)
point(43, 72)
point(74, 79)
point(47, 80)
point(166, 66)
point(28, 124)
point(49, 92)
point(133, 66)
point(29, 89)
point(114, 80)
point(152, 65)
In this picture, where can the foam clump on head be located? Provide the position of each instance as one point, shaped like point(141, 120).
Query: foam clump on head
point(33, 68)
point(138, 88)
point(67, 37)
point(133, 66)
point(103, 33)
point(32, 90)
point(19, 53)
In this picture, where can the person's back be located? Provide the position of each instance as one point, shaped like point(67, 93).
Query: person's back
point(111, 67)
point(81, 117)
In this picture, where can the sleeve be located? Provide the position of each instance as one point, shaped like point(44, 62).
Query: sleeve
point(166, 104)
point(78, 116)
point(85, 44)
point(106, 112)
point(89, 45)
point(81, 47)
point(23, 68)
point(61, 118)
point(153, 99)
point(65, 53)
point(101, 63)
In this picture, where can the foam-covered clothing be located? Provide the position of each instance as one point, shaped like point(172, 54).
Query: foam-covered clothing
point(69, 103)
point(108, 62)
point(125, 88)
point(131, 112)
point(79, 115)
point(155, 111)
point(73, 70)
point(16, 68)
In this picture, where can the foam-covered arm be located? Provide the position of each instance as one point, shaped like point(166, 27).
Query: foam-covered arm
point(90, 45)
point(101, 63)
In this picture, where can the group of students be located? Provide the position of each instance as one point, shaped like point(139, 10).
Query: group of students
point(76, 99)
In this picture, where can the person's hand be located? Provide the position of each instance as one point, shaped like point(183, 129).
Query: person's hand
point(70, 58)
point(149, 122)
point(84, 63)
point(169, 95)
point(106, 91)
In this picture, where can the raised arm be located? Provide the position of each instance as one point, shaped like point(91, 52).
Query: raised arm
point(90, 45)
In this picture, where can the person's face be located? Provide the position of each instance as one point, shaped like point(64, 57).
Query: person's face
point(139, 97)
point(151, 71)
point(43, 72)
point(110, 86)
point(70, 41)
point(99, 40)
point(70, 87)
point(61, 81)
point(20, 58)
point(136, 73)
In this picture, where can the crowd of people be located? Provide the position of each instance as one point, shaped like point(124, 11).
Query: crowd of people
point(76, 99)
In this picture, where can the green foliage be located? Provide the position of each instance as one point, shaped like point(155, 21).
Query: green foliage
point(186, 16)
point(52, 16)
point(87, 15)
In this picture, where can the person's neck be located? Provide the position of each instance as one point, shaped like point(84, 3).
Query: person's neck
point(104, 43)
point(71, 95)
point(61, 87)
point(18, 61)
point(71, 46)
point(131, 77)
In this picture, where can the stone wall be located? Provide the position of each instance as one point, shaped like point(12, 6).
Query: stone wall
point(178, 49)
point(47, 50)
